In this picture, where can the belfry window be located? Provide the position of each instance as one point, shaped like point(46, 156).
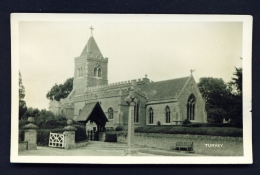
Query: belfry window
point(150, 116)
point(99, 72)
point(110, 113)
point(136, 113)
point(167, 114)
point(191, 107)
point(95, 72)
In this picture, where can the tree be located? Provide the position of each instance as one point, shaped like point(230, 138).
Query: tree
point(236, 113)
point(22, 103)
point(223, 100)
point(216, 94)
point(60, 91)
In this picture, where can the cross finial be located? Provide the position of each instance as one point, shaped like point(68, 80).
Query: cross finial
point(91, 28)
point(192, 70)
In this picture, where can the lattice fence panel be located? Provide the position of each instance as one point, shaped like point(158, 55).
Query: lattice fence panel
point(56, 140)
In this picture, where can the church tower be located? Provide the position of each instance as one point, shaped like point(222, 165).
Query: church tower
point(90, 67)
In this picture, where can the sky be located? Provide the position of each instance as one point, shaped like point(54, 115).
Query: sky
point(162, 49)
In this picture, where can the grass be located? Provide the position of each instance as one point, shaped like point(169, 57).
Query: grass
point(212, 131)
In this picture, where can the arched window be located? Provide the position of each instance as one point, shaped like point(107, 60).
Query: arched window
point(62, 111)
point(136, 113)
point(167, 114)
point(191, 107)
point(99, 72)
point(95, 72)
point(79, 111)
point(150, 116)
point(110, 113)
point(78, 73)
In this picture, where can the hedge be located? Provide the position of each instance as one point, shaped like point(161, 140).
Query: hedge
point(111, 137)
point(214, 131)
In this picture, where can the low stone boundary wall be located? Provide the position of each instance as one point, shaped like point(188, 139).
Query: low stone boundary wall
point(23, 146)
point(202, 144)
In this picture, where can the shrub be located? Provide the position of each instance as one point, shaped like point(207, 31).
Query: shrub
point(111, 137)
point(119, 128)
point(80, 133)
point(21, 135)
point(51, 124)
point(186, 122)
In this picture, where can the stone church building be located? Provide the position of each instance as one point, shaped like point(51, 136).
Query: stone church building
point(168, 102)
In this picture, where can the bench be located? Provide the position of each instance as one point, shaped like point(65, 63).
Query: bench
point(187, 145)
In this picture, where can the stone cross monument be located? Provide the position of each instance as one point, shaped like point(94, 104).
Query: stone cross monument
point(131, 100)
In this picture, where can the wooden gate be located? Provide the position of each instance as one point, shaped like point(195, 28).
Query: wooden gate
point(93, 135)
point(56, 140)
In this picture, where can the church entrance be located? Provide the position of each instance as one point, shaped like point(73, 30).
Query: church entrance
point(191, 105)
point(94, 119)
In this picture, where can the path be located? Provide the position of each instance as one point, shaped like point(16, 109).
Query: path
point(97, 148)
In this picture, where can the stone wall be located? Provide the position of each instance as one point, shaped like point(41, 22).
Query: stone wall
point(232, 146)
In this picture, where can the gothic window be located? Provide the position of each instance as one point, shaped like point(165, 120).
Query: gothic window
point(150, 116)
point(191, 107)
point(110, 113)
point(99, 72)
point(136, 113)
point(167, 114)
point(62, 111)
point(95, 72)
point(79, 111)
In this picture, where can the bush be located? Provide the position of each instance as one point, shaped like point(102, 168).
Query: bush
point(119, 128)
point(186, 121)
point(80, 133)
point(21, 135)
point(51, 124)
point(111, 137)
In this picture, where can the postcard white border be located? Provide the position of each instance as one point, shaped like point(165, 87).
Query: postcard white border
point(247, 89)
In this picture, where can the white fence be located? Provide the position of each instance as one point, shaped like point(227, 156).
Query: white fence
point(56, 140)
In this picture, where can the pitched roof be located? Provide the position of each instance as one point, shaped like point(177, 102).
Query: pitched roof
point(164, 89)
point(91, 47)
point(93, 112)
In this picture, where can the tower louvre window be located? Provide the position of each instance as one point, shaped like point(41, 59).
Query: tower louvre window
point(99, 72)
point(95, 72)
